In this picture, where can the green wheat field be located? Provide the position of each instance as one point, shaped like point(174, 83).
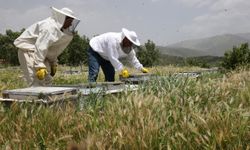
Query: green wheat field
point(209, 112)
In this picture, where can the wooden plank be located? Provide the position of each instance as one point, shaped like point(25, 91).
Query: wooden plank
point(188, 74)
point(40, 101)
point(21, 100)
point(90, 85)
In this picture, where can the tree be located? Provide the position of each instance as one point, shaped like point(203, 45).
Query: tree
point(76, 52)
point(8, 51)
point(238, 56)
point(148, 54)
point(197, 61)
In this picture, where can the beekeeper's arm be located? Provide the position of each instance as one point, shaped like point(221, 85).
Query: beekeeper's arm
point(44, 40)
point(135, 62)
point(113, 58)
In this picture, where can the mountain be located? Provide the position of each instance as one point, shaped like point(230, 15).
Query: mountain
point(213, 46)
point(244, 35)
point(181, 52)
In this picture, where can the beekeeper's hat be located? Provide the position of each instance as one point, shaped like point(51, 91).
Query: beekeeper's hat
point(131, 35)
point(66, 11)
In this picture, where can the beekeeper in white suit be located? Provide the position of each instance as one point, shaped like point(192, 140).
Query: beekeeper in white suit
point(41, 43)
point(106, 50)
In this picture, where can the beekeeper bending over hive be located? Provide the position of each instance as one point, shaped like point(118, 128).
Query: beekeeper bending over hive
point(41, 43)
point(106, 50)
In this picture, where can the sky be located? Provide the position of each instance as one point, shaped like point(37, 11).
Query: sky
point(162, 21)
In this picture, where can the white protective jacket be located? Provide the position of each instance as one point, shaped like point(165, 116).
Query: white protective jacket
point(45, 39)
point(108, 46)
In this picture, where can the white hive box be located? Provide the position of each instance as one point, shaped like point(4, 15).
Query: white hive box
point(65, 92)
point(40, 93)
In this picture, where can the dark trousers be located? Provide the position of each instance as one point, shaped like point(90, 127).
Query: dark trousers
point(95, 62)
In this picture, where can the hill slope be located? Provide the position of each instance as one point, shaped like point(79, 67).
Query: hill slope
point(214, 46)
point(181, 52)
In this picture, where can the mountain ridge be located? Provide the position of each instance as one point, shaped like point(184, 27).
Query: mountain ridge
point(211, 46)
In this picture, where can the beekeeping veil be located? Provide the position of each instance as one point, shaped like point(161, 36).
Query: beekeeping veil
point(60, 15)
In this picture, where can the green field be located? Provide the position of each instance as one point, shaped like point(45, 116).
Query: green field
point(209, 112)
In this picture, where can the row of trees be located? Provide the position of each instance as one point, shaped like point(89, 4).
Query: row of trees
point(76, 52)
point(8, 52)
point(238, 56)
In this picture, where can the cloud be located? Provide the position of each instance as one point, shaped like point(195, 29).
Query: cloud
point(155, 0)
point(196, 3)
point(223, 16)
point(164, 21)
point(11, 18)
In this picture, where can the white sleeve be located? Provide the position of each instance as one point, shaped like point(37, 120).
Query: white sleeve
point(44, 40)
point(113, 57)
point(134, 61)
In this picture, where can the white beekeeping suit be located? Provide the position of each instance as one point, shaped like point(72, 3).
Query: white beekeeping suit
point(108, 46)
point(106, 50)
point(41, 43)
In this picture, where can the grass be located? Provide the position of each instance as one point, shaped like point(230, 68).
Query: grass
point(211, 112)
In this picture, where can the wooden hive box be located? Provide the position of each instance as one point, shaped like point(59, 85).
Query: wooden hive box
point(46, 94)
point(61, 92)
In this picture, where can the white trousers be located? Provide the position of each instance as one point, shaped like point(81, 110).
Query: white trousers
point(26, 60)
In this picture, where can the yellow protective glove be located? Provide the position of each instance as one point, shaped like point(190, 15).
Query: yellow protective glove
point(144, 70)
point(41, 73)
point(124, 73)
point(53, 70)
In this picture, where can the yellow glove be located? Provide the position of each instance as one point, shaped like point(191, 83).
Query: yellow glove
point(124, 73)
point(41, 73)
point(53, 70)
point(144, 70)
